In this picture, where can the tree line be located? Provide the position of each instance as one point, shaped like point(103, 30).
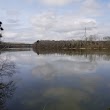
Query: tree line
point(72, 44)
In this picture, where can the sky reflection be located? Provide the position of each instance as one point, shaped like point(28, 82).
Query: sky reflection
point(63, 82)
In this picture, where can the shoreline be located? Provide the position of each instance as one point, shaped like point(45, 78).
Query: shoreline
point(72, 45)
point(10, 45)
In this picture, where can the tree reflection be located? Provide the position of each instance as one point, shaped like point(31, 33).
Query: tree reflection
point(92, 55)
point(7, 87)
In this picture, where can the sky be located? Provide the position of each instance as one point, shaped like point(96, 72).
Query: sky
point(32, 20)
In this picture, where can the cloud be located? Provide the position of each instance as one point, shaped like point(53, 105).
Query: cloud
point(50, 26)
point(54, 2)
point(91, 4)
point(12, 12)
point(13, 21)
point(10, 18)
point(9, 36)
point(57, 27)
point(90, 8)
point(56, 24)
point(57, 2)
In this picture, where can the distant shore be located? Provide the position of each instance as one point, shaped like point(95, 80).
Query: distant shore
point(10, 45)
point(72, 45)
point(59, 45)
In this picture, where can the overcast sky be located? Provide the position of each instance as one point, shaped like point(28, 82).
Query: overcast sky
point(31, 20)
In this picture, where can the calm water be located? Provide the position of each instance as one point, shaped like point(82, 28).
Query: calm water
point(29, 81)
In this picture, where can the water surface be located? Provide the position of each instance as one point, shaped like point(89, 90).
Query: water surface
point(31, 81)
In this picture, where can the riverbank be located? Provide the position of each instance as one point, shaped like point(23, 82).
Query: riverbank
point(71, 52)
point(10, 45)
point(72, 45)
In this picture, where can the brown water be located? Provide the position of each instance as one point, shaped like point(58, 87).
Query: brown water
point(54, 81)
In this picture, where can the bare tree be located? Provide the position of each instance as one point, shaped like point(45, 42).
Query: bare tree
point(92, 38)
point(107, 38)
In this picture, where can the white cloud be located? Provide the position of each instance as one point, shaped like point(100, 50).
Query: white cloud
point(91, 4)
point(57, 2)
point(49, 26)
point(52, 26)
point(10, 34)
point(90, 8)
point(54, 2)
point(57, 27)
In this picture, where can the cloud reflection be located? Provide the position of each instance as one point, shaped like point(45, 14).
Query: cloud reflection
point(63, 68)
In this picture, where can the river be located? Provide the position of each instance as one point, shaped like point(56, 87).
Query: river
point(54, 81)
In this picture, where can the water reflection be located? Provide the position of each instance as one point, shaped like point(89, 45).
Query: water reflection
point(90, 54)
point(7, 86)
point(62, 67)
point(75, 81)
point(66, 84)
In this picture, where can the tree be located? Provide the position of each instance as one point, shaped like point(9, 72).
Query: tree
point(1, 29)
point(107, 38)
point(92, 38)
